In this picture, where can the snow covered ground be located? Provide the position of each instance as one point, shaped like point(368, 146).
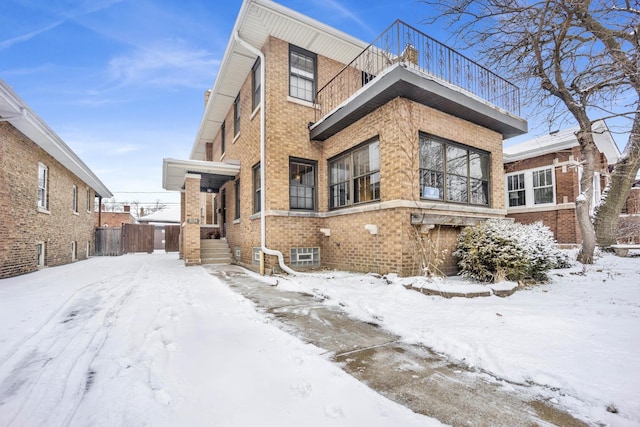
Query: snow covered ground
point(143, 340)
point(578, 336)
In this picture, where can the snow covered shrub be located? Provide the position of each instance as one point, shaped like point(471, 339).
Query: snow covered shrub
point(497, 249)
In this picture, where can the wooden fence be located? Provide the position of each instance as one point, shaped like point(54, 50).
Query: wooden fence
point(172, 238)
point(130, 238)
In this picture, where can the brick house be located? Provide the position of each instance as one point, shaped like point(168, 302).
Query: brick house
point(319, 149)
point(46, 193)
point(542, 179)
point(113, 219)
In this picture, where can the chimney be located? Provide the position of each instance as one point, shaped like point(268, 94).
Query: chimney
point(141, 212)
point(127, 208)
point(207, 95)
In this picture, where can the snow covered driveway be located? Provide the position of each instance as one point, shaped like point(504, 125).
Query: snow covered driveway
point(143, 340)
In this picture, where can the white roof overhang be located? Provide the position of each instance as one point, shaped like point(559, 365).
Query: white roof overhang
point(256, 21)
point(174, 172)
point(14, 110)
point(563, 140)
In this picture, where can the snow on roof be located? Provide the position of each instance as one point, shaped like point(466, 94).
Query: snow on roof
point(166, 215)
point(562, 140)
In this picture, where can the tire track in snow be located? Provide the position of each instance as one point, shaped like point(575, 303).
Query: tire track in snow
point(51, 366)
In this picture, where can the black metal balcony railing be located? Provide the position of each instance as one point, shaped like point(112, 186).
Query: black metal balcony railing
point(403, 43)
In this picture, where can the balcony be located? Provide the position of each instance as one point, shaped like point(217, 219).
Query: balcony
point(404, 62)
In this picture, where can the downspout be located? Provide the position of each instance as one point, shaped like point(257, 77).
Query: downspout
point(263, 230)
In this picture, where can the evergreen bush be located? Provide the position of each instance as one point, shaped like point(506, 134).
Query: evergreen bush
point(496, 250)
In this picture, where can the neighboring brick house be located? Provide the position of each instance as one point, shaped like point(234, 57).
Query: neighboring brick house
point(629, 223)
point(314, 162)
point(46, 193)
point(542, 179)
point(114, 219)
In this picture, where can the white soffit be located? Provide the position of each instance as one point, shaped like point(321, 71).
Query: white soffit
point(256, 21)
point(174, 171)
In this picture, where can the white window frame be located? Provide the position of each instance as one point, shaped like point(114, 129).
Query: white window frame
point(74, 251)
point(528, 187)
point(41, 249)
point(88, 200)
point(43, 186)
point(74, 199)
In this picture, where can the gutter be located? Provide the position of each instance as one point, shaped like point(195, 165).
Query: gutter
point(263, 231)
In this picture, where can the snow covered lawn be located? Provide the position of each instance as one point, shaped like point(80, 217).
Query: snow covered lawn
point(142, 340)
point(578, 337)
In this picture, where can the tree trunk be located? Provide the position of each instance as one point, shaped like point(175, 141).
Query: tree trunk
point(625, 172)
point(583, 202)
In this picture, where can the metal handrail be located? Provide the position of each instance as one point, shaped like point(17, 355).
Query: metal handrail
point(401, 42)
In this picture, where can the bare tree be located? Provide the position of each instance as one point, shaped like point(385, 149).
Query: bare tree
point(559, 51)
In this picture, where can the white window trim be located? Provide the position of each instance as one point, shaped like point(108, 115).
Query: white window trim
point(528, 188)
point(44, 206)
point(42, 256)
point(74, 201)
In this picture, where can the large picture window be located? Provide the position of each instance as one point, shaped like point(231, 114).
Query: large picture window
point(302, 74)
point(354, 177)
point(453, 172)
point(302, 184)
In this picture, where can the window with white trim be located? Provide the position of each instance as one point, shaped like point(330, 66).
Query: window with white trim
point(516, 192)
point(529, 188)
point(74, 199)
point(74, 251)
point(237, 200)
point(542, 186)
point(43, 183)
point(40, 248)
point(89, 199)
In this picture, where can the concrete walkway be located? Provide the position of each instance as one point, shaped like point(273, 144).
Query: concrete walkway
point(411, 375)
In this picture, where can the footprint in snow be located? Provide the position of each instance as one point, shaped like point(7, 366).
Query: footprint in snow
point(333, 411)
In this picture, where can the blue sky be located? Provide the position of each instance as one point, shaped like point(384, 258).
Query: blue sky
point(122, 81)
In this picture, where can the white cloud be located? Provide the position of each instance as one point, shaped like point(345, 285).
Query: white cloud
point(343, 11)
point(28, 36)
point(166, 64)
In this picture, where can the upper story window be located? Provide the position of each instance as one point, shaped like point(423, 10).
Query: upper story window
point(453, 172)
point(43, 183)
point(255, 85)
point(74, 199)
point(354, 177)
point(531, 188)
point(236, 115)
point(302, 73)
point(257, 188)
point(302, 184)
point(223, 137)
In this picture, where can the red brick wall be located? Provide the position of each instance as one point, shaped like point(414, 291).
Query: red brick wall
point(22, 224)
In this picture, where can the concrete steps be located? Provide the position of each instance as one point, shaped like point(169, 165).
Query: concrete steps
point(215, 251)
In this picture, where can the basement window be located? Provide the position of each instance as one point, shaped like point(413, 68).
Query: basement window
point(305, 257)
